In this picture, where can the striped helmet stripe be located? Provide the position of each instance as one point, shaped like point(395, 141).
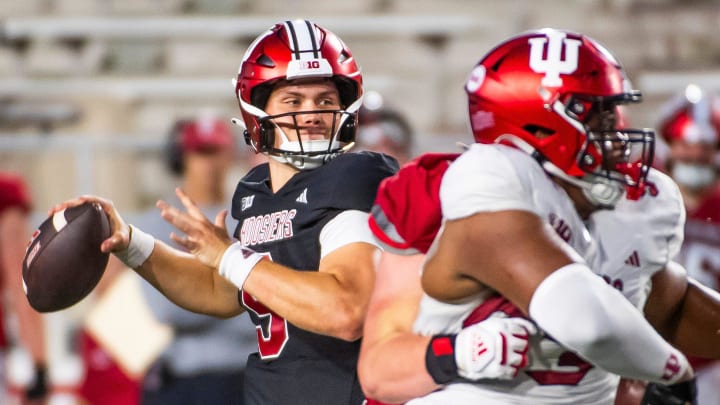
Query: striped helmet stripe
point(303, 41)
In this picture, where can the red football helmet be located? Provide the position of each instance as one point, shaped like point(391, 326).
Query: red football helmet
point(555, 95)
point(383, 129)
point(690, 125)
point(692, 117)
point(296, 50)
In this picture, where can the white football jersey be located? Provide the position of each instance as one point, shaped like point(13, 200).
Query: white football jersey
point(638, 238)
point(624, 246)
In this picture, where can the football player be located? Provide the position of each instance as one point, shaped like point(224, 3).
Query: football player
point(303, 264)
point(15, 205)
point(516, 226)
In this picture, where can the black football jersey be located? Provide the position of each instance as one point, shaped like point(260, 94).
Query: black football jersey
point(294, 366)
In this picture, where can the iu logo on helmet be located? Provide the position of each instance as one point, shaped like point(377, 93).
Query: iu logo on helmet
point(553, 65)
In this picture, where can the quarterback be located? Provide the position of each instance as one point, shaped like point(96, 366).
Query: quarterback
point(302, 262)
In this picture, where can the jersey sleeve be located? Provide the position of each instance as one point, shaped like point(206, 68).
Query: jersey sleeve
point(651, 228)
point(406, 214)
point(664, 216)
point(486, 178)
point(347, 227)
point(13, 193)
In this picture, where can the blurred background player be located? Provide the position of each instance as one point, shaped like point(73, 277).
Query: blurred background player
point(15, 205)
point(383, 129)
point(205, 361)
point(690, 125)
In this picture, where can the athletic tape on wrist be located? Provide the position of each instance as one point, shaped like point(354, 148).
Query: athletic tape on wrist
point(237, 262)
point(440, 359)
point(140, 248)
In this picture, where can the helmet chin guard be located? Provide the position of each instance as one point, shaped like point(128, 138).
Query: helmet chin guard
point(305, 161)
point(604, 193)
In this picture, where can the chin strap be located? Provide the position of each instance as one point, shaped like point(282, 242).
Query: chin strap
point(304, 162)
point(601, 192)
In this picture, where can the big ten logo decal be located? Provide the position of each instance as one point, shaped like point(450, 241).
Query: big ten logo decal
point(311, 64)
point(549, 59)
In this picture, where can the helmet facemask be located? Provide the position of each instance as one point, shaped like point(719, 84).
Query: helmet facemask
point(614, 160)
point(302, 151)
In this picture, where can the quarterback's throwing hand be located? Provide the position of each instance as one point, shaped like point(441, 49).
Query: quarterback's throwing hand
point(495, 348)
point(204, 239)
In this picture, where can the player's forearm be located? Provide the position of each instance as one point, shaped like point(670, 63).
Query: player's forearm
point(697, 330)
point(189, 283)
point(685, 312)
point(167, 312)
point(393, 370)
point(312, 300)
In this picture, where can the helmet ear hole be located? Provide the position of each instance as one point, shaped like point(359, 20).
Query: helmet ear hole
point(348, 130)
point(266, 132)
point(247, 137)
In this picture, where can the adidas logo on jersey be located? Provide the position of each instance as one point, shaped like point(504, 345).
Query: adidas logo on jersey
point(302, 198)
point(246, 202)
point(633, 260)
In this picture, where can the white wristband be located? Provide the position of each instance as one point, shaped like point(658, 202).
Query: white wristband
point(237, 262)
point(140, 248)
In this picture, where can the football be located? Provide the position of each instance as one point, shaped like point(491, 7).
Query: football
point(63, 261)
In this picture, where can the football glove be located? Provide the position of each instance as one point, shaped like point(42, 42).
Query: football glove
point(494, 348)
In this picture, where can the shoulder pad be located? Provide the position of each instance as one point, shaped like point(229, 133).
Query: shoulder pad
point(406, 213)
point(352, 180)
